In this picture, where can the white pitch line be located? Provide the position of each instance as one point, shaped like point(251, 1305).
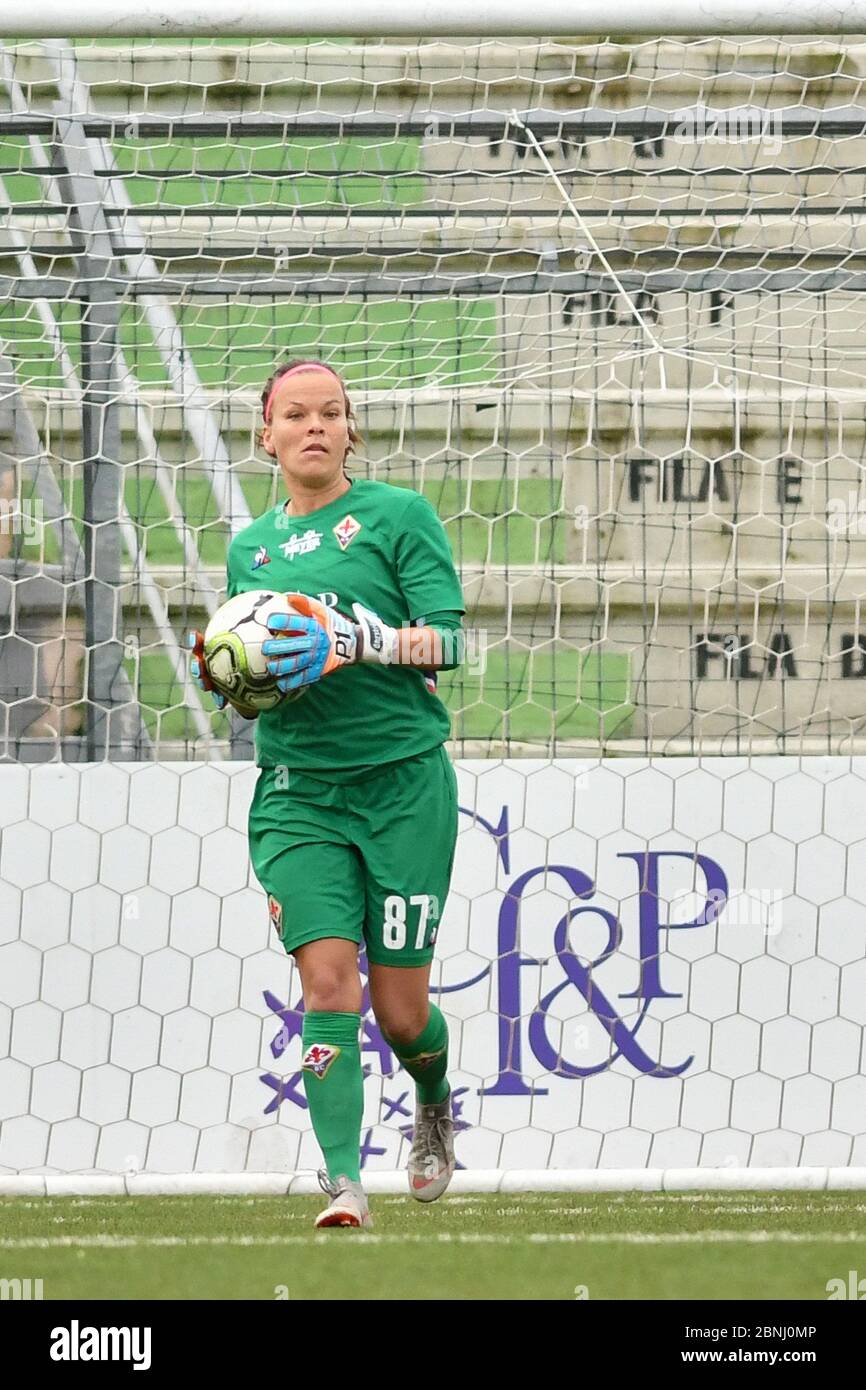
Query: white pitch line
point(109, 1242)
point(723, 1204)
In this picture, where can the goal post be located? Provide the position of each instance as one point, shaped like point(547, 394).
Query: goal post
point(602, 300)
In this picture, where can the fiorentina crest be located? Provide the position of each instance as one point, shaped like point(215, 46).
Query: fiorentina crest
point(275, 909)
point(318, 1058)
point(424, 1059)
point(346, 530)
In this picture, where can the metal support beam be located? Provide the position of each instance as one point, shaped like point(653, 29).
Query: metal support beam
point(102, 502)
point(745, 281)
point(417, 285)
point(110, 704)
point(637, 122)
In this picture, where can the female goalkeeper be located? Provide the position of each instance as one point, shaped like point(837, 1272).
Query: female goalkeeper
point(353, 821)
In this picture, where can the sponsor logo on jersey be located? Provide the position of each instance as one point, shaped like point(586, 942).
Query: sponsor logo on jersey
point(301, 545)
point(318, 1058)
point(276, 911)
point(262, 558)
point(346, 530)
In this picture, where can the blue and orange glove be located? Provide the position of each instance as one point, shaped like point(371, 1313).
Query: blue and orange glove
point(198, 668)
point(316, 640)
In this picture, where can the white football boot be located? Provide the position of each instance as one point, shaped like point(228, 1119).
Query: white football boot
point(431, 1162)
point(348, 1204)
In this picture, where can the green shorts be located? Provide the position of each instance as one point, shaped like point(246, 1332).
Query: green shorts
point(367, 861)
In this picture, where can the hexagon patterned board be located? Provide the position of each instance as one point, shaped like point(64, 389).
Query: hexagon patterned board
point(679, 983)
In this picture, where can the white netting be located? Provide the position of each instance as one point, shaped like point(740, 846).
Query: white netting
point(603, 304)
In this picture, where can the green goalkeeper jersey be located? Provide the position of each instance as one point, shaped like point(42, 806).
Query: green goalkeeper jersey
point(383, 547)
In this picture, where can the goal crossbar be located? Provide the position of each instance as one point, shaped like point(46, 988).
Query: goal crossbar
point(226, 18)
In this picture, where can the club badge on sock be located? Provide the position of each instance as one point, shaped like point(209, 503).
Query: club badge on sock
point(426, 1059)
point(318, 1058)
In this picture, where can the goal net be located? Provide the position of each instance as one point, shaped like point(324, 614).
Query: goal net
point(602, 302)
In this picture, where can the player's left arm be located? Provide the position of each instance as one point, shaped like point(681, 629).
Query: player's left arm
point(434, 643)
point(315, 640)
point(431, 590)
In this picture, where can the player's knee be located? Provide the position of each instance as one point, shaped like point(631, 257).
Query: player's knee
point(333, 998)
point(331, 995)
point(331, 991)
point(402, 1026)
point(330, 981)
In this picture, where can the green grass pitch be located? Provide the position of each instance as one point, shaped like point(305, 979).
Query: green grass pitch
point(561, 1246)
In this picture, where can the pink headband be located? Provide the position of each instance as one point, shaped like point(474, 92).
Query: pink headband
point(301, 367)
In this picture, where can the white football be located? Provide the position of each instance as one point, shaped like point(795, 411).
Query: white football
point(233, 650)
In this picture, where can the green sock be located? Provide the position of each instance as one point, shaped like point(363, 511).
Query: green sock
point(334, 1088)
point(426, 1059)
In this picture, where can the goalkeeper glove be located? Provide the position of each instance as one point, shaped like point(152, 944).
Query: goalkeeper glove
point(198, 668)
point(317, 640)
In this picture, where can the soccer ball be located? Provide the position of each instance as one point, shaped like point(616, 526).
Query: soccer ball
point(233, 651)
